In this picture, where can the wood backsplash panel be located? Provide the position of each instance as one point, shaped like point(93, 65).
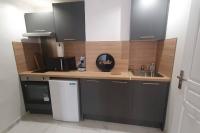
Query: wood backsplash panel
point(75, 48)
point(24, 55)
point(165, 56)
point(125, 50)
point(19, 57)
point(119, 50)
point(142, 53)
point(30, 49)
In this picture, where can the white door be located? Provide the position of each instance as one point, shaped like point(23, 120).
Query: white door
point(188, 110)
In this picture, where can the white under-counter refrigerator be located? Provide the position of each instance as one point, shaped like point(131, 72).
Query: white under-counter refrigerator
point(65, 100)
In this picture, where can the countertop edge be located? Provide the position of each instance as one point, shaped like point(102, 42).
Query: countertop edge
point(91, 75)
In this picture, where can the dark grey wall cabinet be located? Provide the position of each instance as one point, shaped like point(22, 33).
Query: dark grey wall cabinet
point(69, 21)
point(105, 100)
point(149, 20)
point(39, 22)
point(148, 102)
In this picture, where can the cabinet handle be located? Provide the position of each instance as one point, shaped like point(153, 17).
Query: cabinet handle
point(147, 37)
point(120, 82)
point(151, 83)
point(40, 30)
point(70, 39)
point(96, 81)
point(46, 99)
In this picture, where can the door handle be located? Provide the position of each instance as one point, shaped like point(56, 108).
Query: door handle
point(181, 79)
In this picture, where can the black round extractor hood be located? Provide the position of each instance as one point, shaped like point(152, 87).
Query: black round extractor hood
point(105, 62)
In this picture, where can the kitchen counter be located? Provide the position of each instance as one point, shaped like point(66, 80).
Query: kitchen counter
point(95, 75)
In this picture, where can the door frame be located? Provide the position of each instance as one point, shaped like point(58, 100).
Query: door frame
point(175, 93)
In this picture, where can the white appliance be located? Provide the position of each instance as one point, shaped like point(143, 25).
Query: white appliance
point(65, 100)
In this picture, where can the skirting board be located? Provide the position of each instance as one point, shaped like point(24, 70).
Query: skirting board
point(11, 125)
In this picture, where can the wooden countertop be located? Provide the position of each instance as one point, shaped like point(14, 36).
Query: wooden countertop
point(77, 74)
point(95, 75)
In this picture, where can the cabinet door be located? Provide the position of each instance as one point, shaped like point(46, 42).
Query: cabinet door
point(149, 19)
point(69, 21)
point(105, 100)
point(118, 100)
point(148, 102)
point(93, 98)
point(39, 22)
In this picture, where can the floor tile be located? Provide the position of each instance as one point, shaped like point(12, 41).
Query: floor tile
point(61, 129)
point(45, 124)
point(89, 130)
point(29, 127)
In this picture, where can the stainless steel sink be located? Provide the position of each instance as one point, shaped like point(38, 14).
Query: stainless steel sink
point(146, 73)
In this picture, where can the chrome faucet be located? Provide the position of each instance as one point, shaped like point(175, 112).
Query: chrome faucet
point(152, 69)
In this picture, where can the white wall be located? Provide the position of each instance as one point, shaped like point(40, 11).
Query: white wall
point(125, 19)
point(12, 26)
point(107, 20)
point(176, 28)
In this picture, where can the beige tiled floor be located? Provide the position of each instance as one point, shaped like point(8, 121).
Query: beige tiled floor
point(45, 124)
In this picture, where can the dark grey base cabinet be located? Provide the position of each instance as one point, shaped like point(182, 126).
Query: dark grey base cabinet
point(105, 100)
point(148, 103)
point(130, 102)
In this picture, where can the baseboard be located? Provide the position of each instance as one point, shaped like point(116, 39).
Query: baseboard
point(11, 125)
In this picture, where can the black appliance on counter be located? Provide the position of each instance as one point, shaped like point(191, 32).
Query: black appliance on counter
point(61, 64)
point(53, 64)
point(36, 95)
point(69, 64)
point(56, 64)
